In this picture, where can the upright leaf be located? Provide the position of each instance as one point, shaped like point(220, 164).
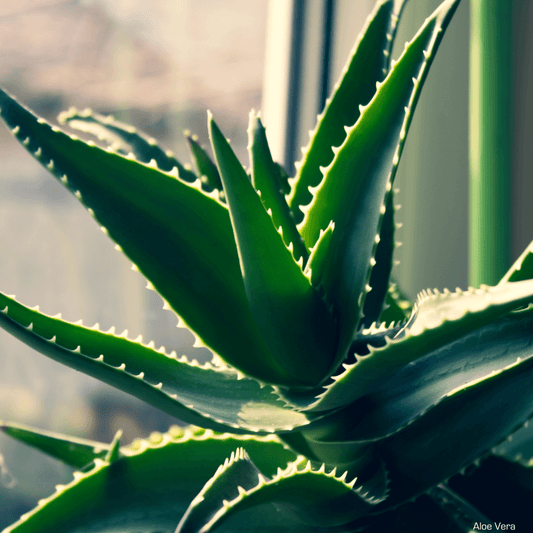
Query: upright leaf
point(178, 237)
point(355, 185)
point(291, 316)
point(367, 65)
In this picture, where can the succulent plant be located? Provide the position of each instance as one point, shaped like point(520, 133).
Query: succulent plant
point(329, 394)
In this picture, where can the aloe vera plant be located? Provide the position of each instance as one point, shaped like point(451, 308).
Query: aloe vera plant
point(330, 395)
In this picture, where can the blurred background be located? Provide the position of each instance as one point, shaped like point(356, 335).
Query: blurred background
point(159, 64)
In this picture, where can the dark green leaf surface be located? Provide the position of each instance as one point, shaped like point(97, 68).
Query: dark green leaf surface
point(69, 450)
point(368, 64)
point(150, 487)
point(466, 424)
point(266, 181)
point(277, 289)
point(501, 489)
point(381, 270)
point(318, 497)
point(355, 184)
point(212, 396)
point(437, 320)
point(179, 238)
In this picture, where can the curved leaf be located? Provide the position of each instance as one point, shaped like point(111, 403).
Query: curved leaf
point(522, 268)
point(124, 139)
point(437, 320)
point(69, 450)
point(462, 427)
point(355, 184)
point(317, 497)
point(216, 397)
point(291, 316)
point(367, 64)
point(149, 488)
point(178, 237)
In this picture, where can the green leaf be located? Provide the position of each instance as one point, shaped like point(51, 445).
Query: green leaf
point(204, 166)
point(398, 306)
point(216, 397)
point(125, 139)
point(266, 181)
point(437, 320)
point(381, 270)
point(291, 316)
point(467, 423)
point(368, 64)
point(416, 388)
point(522, 267)
point(355, 184)
point(499, 488)
point(150, 487)
point(319, 256)
point(317, 497)
point(177, 236)
point(420, 516)
point(69, 450)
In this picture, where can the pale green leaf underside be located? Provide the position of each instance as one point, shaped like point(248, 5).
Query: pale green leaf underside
point(291, 316)
point(368, 64)
point(353, 191)
point(150, 487)
point(179, 238)
point(206, 395)
point(437, 320)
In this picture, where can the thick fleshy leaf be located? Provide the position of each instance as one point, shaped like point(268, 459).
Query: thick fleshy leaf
point(353, 190)
point(462, 427)
point(178, 237)
point(203, 163)
point(266, 181)
point(499, 488)
point(318, 497)
point(416, 388)
point(124, 139)
point(289, 312)
point(522, 267)
point(437, 320)
point(367, 65)
point(382, 266)
point(69, 450)
point(215, 397)
point(150, 487)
